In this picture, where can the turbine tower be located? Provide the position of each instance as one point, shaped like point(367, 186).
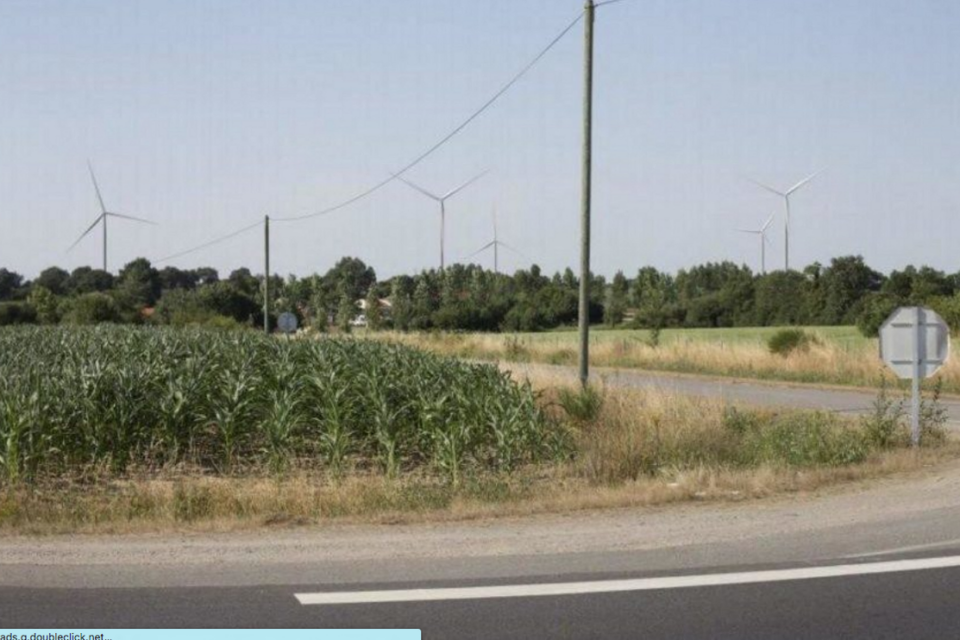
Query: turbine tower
point(104, 214)
point(786, 198)
point(443, 205)
point(495, 245)
point(762, 232)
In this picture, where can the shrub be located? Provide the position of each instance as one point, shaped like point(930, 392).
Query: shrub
point(582, 405)
point(786, 341)
point(17, 313)
point(883, 427)
point(805, 439)
point(92, 308)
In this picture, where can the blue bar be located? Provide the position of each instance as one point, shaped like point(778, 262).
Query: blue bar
point(209, 634)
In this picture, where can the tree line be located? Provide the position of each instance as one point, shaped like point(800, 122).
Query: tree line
point(470, 298)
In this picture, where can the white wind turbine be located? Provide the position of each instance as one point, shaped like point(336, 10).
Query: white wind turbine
point(104, 215)
point(786, 198)
point(443, 205)
point(495, 245)
point(762, 232)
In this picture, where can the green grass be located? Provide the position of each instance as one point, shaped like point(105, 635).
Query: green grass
point(848, 337)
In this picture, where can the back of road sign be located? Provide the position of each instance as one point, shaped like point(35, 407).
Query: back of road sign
point(287, 323)
point(914, 341)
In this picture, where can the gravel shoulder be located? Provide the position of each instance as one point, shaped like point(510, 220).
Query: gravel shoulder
point(894, 513)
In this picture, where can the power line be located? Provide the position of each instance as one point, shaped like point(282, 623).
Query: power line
point(476, 114)
point(423, 156)
point(212, 242)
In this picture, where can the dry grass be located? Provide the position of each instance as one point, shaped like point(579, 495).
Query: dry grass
point(637, 448)
point(216, 504)
point(825, 362)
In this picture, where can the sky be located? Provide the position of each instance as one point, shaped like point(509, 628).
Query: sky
point(206, 116)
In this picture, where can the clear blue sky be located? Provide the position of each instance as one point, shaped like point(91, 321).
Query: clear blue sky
point(204, 116)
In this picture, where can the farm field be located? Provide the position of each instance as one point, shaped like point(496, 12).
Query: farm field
point(141, 429)
point(836, 356)
point(847, 337)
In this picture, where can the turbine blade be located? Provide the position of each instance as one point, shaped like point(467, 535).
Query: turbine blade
point(89, 229)
point(126, 217)
point(804, 181)
point(768, 222)
point(103, 207)
point(514, 249)
point(767, 187)
point(418, 188)
point(481, 250)
point(464, 185)
point(749, 231)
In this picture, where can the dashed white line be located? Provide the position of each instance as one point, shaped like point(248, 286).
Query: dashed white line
point(618, 586)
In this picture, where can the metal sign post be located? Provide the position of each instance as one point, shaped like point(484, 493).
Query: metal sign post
point(915, 343)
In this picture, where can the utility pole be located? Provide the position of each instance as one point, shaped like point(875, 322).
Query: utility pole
point(266, 274)
point(589, 9)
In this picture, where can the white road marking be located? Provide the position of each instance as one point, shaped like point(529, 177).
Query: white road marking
point(615, 586)
point(915, 547)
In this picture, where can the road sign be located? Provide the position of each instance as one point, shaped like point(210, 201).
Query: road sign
point(915, 343)
point(287, 322)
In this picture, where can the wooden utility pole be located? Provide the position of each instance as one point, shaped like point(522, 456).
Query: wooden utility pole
point(266, 274)
point(586, 193)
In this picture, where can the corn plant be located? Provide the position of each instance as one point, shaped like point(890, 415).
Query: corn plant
point(110, 396)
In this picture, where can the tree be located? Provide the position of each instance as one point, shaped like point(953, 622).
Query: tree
point(616, 309)
point(138, 284)
point(87, 280)
point(423, 305)
point(373, 311)
point(401, 301)
point(92, 308)
point(55, 280)
point(10, 282)
point(245, 282)
point(346, 311)
point(45, 303)
point(845, 283)
point(174, 278)
point(351, 275)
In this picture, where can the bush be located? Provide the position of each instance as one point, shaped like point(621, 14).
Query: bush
point(92, 308)
point(805, 439)
point(17, 313)
point(582, 405)
point(786, 341)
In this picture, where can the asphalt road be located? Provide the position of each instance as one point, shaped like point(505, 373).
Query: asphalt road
point(269, 578)
point(760, 393)
point(920, 604)
point(253, 579)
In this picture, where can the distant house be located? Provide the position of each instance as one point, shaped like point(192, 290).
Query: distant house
point(361, 319)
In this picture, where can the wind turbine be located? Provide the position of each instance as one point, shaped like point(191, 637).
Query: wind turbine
point(104, 214)
point(443, 204)
point(786, 198)
point(762, 232)
point(496, 244)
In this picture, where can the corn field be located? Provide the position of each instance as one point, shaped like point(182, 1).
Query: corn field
point(112, 397)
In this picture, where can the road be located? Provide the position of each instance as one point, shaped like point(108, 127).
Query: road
point(760, 393)
point(695, 571)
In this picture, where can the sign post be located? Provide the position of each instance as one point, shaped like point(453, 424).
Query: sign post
point(915, 343)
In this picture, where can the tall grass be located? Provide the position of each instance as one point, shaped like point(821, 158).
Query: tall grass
point(109, 397)
point(825, 360)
